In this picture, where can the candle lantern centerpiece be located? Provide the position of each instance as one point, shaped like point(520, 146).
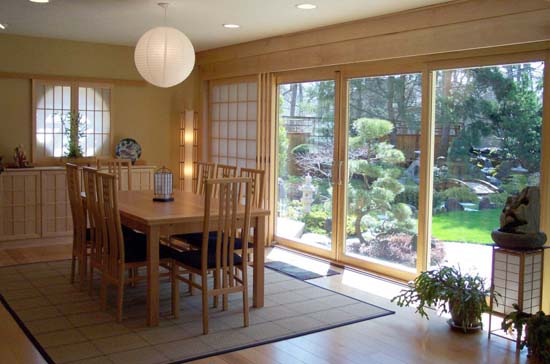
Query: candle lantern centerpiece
point(163, 185)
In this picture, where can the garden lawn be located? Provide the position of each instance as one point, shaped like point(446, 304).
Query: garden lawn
point(466, 226)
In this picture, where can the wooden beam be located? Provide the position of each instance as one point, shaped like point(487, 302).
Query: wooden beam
point(479, 34)
point(34, 76)
point(437, 15)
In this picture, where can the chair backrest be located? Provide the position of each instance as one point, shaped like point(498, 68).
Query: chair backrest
point(202, 172)
point(111, 230)
point(92, 206)
point(257, 186)
point(78, 212)
point(224, 171)
point(116, 167)
point(230, 221)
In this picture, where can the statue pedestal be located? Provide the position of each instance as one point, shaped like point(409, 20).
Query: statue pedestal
point(518, 241)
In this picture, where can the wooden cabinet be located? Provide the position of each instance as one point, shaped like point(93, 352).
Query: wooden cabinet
point(34, 202)
point(56, 209)
point(20, 205)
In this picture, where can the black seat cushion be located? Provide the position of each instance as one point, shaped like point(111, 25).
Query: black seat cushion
point(195, 240)
point(192, 258)
point(135, 247)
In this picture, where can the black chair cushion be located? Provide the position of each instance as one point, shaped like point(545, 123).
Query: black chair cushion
point(195, 240)
point(192, 258)
point(135, 247)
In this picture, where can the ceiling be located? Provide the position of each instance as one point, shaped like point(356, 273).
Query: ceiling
point(123, 21)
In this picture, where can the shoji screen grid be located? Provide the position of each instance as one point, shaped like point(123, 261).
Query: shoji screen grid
point(53, 103)
point(94, 105)
point(233, 123)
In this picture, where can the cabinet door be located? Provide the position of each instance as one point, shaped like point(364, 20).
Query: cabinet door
point(56, 209)
point(19, 205)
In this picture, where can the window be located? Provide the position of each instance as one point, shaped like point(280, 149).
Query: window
point(52, 103)
point(233, 115)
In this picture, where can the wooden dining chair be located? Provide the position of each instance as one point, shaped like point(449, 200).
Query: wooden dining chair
point(257, 186)
point(220, 258)
point(256, 195)
point(117, 167)
point(202, 172)
point(97, 251)
point(121, 251)
point(81, 235)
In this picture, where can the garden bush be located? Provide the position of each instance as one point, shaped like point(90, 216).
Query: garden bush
point(462, 194)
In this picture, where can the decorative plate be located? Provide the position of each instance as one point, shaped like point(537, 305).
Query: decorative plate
point(128, 148)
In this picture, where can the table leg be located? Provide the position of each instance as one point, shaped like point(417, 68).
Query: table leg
point(153, 236)
point(259, 259)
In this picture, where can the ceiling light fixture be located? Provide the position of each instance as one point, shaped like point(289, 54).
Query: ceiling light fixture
point(231, 26)
point(40, 1)
point(164, 56)
point(2, 26)
point(306, 6)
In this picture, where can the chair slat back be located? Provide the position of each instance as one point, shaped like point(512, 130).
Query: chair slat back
point(78, 212)
point(110, 221)
point(116, 167)
point(203, 172)
point(92, 205)
point(224, 171)
point(257, 186)
point(229, 225)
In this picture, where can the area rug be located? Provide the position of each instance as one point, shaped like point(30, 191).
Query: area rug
point(297, 272)
point(70, 327)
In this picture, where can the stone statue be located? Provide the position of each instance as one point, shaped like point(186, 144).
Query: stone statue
point(521, 213)
point(520, 221)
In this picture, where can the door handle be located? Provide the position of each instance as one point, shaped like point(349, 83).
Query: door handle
point(340, 168)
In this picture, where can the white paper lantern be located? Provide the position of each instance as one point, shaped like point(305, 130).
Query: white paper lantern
point(164, 56)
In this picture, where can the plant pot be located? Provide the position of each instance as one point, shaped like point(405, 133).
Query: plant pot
point(455, 322)
point(517, 241)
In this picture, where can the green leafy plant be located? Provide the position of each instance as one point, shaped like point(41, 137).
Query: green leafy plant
point(537, 332)
point(74, 128)
point(448, 290)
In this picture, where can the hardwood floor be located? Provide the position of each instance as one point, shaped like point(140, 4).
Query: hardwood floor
point(403, 338)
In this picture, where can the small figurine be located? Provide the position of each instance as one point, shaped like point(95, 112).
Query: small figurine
point(20, 158)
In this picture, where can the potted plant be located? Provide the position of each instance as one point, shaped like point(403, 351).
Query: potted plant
point(74, 129)
point(448, 290)
point(537, 332)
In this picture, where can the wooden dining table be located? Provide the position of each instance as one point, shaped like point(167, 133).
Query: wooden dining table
point(183, 215)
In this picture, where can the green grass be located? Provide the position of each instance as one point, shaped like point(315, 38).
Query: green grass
point(466, 226)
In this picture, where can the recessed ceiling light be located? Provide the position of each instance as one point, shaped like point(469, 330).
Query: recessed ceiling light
point(40, 1)
point(2, 26)
point(231, 26)
point(306, 6)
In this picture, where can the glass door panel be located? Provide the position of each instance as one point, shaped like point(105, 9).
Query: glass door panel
point(383, 146)
point(488, 124)
point(305, 164)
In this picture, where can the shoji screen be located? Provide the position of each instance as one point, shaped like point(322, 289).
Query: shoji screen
point(233, 123)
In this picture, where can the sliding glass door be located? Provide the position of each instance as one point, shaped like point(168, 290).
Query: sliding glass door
point(383, 149)
point(488, 123)
point(400, 172)
point(306, 147)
